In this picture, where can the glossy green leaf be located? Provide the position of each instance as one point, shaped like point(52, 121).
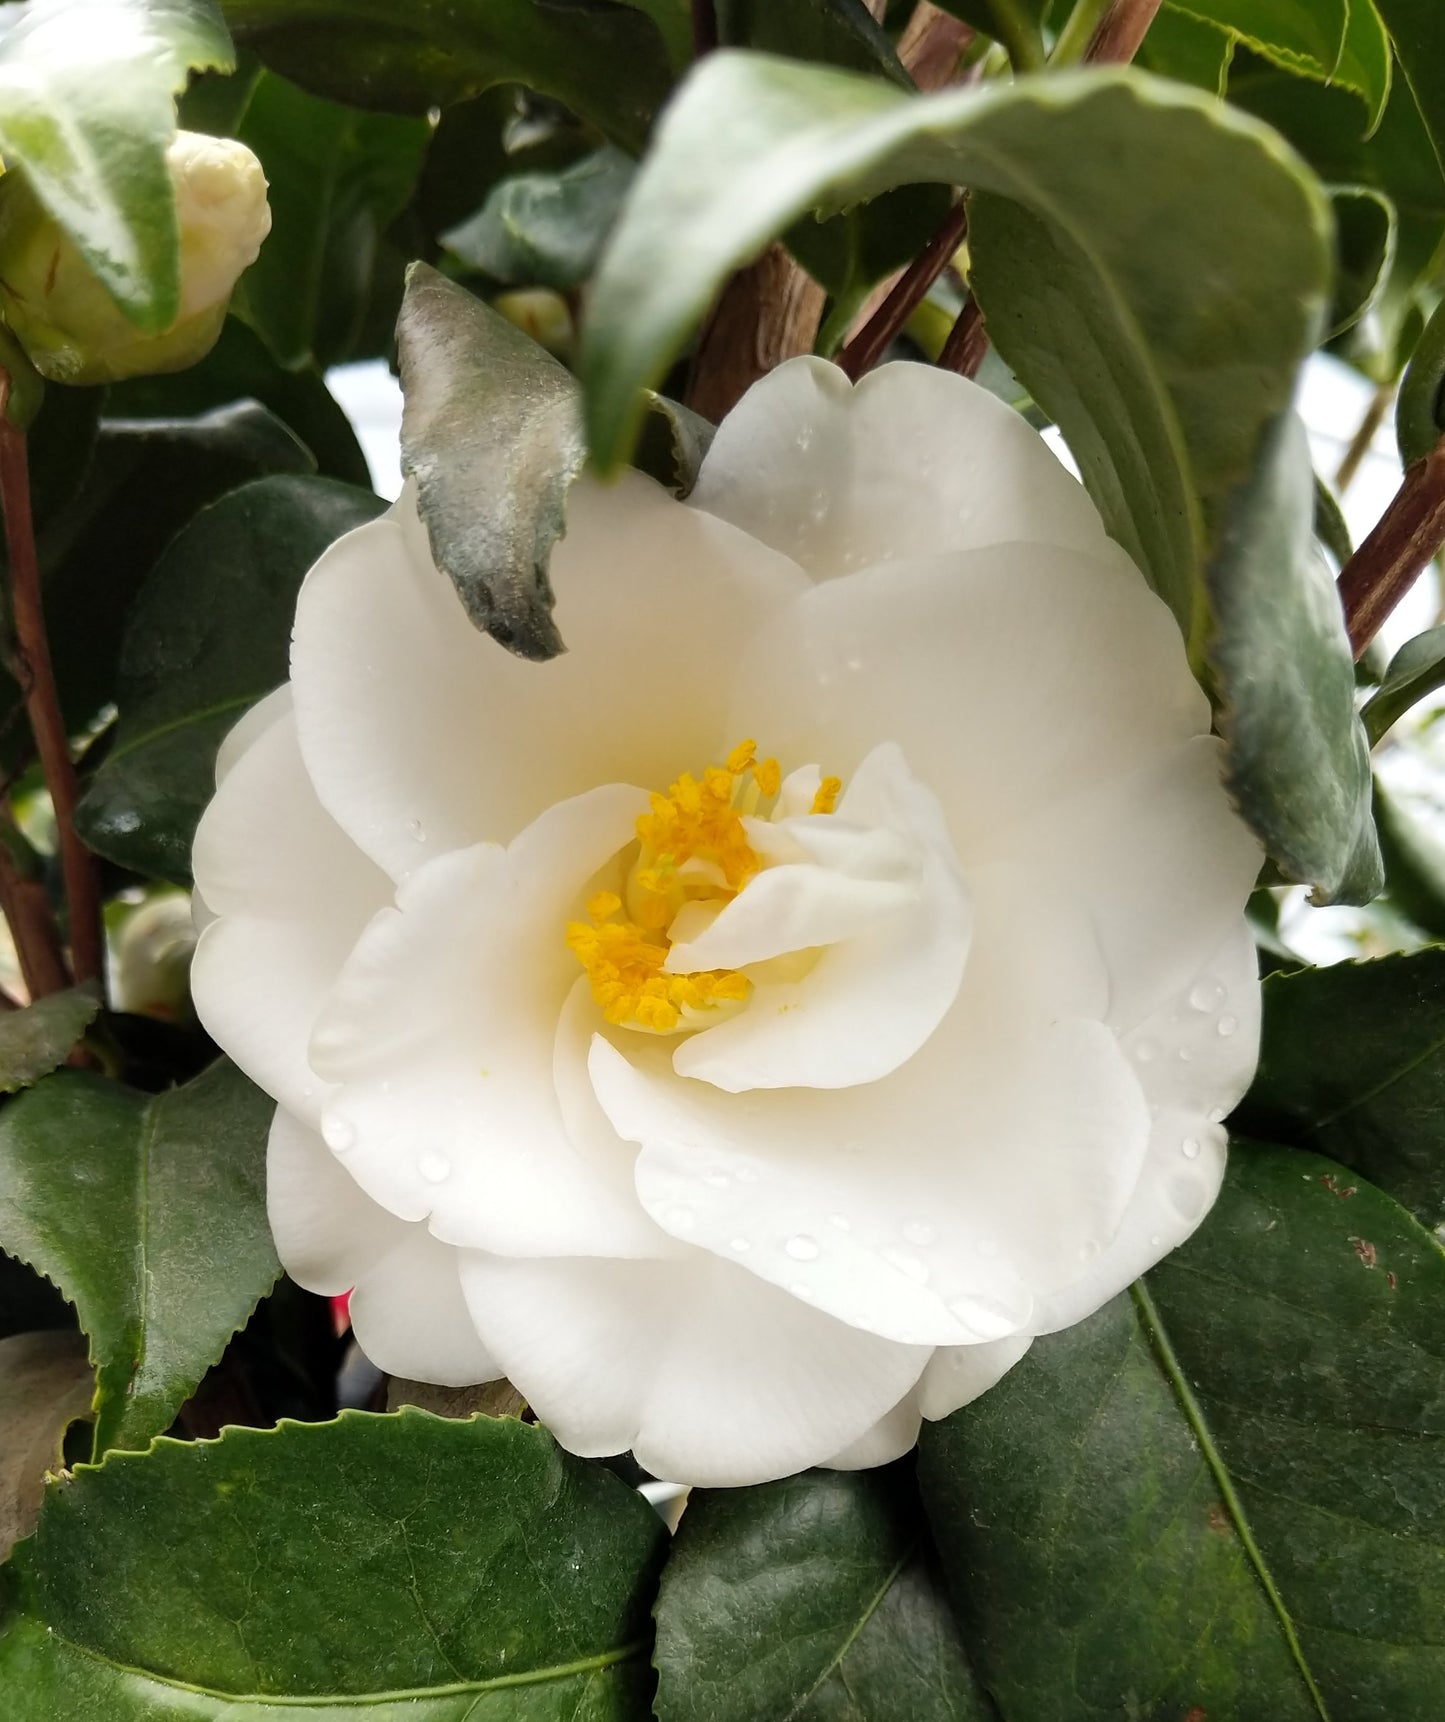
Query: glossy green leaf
point(35, 1040)
point(816, 1599)
point(1414, 865)
point(210, 633)
point(1417, 669)
point(239, 368)
point(1364, 252)
point(673, 443)
point(492, 435)
point(1099, 333)
point(1420, 408)
point(1417, 28)
point(1221, 1495)
point(414, 1569)
point(87, 112)
point(829, 32)
point(1180, 46)
point(1339, 42)
point(1353, 1066)
point(46, 1384)
point(605, 61)
point(1297, 764)
point(148, 1211)
point(338, 179)
point(546, 229)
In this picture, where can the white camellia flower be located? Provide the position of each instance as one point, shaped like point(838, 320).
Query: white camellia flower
point(747, 1031)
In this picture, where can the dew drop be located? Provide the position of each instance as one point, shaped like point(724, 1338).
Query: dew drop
point(1206, 995)
point(338, 1135)
point(681, 1218)
point(416, 830)
point(1190, 1147)
point(1227, 1025)
point(1156, 1242)
point(1087, 1252)
point(719, 1180)
point(435, 1168)
point(907, 1263)
point(1145, 1052)
point(802, 1248)
point(798, 1289)
point(840, 1222)
point(919, 1232)
point(740, 1246)
point(1216, 1116)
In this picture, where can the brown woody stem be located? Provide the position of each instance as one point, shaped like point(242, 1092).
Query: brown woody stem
point(1124, 27)
point(768, 312)
point(1387, 564)
point(883, 327)
point(36, 676)
point(32, 926)
point(967, 342)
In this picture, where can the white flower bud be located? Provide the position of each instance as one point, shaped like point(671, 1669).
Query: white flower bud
point(73, 330)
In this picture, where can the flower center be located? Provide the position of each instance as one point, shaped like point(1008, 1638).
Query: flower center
point(693, 858)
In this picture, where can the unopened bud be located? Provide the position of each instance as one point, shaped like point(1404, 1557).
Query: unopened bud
point(73, 330)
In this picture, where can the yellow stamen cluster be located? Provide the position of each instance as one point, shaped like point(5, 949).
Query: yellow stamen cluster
point(692, 848)
point(624, 967)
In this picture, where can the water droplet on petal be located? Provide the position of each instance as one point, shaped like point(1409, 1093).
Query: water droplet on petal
point(435, 1168)
point(1185, 1055)
point(840, 1222)
point(1206, 995)
point(1216, 1116)
point(802, 1248)
point(719, 1179)
point(919, 1232)
point(1227, 1025)
point(798, 1289)
point(1156, 1242)
point(1190, 1147)
point(416, 830)
point(681, 1218)
point(1145, 1051)
point(338, 1135)
point(740, 1245)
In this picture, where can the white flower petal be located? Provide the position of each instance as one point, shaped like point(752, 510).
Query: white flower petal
point(292, 894)
point(889, 1439)
point(410, 1318)
point(1010, 676)
point(911, 461)
point(928, 1208)
point(958, 1374)
point(1163, 863)
point(441, 1035)
point(328, 1231)
point(707, 1375)
point(249, 728)
point(883, 881)
point(1195, 1057)
point(422, 735)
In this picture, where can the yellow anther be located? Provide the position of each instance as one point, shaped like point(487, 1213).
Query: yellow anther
point(692, 848)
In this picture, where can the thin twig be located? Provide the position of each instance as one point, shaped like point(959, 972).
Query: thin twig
point(36, 676)
point(768, 312)
point(882, 328)
point(967, 342)
point(32, 927)
point(1384, 568)
point(1125, 26)
point(932, 45)
point(704, 27)
point(1364, 435)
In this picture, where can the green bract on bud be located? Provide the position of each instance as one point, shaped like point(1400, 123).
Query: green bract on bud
point(73, 330)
